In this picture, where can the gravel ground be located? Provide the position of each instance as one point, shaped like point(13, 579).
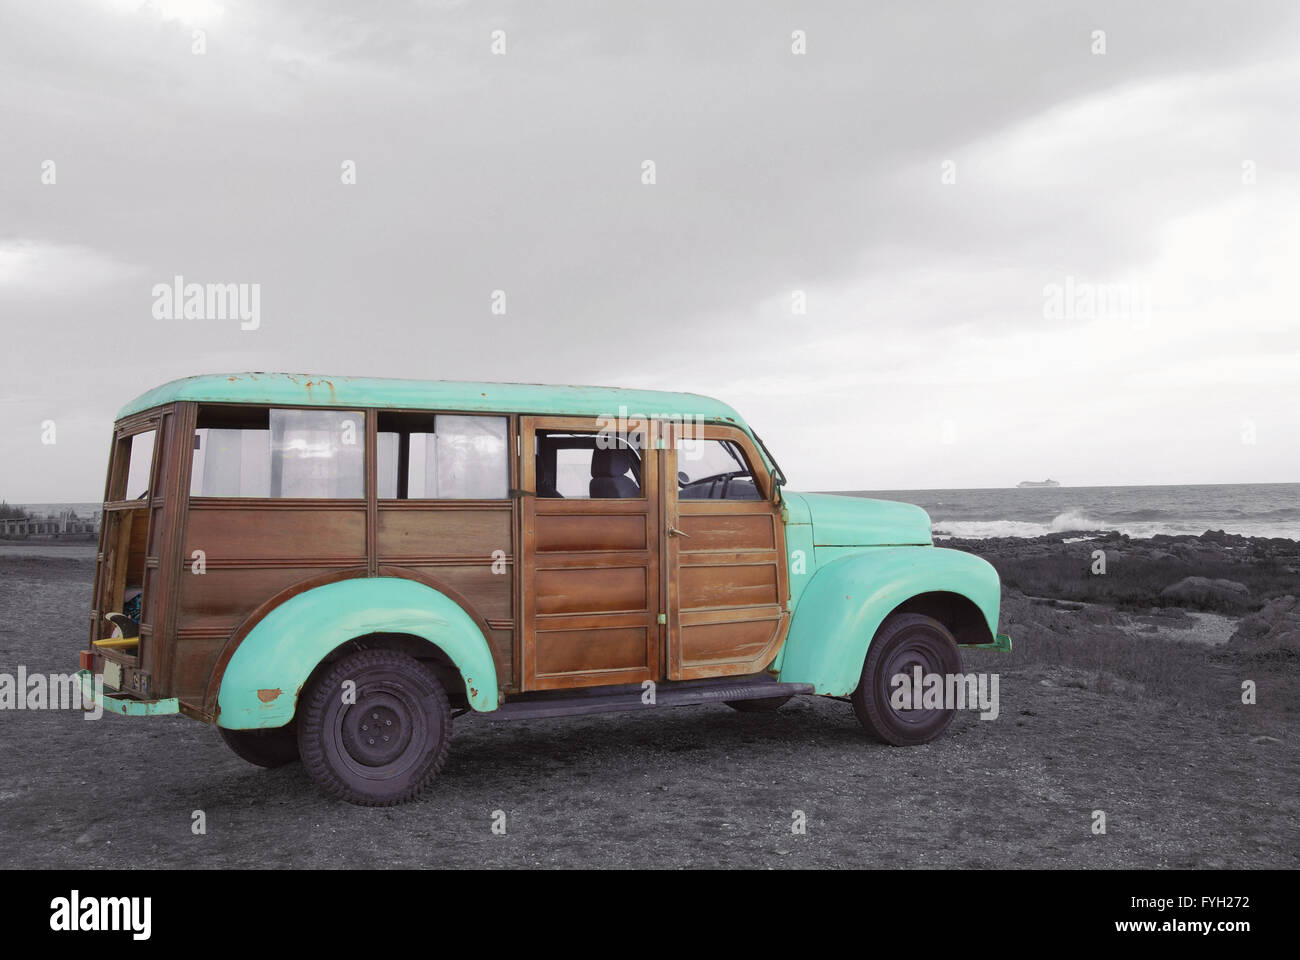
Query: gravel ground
point(691, 787)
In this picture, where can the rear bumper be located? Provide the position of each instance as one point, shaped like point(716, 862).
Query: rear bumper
point(1001, 643)
point(121, 704)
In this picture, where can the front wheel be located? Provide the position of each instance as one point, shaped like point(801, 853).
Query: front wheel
point(375, 728)
point(903, 643)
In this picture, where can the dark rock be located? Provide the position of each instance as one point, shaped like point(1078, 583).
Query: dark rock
point(1276, 627)
point(1211, 594)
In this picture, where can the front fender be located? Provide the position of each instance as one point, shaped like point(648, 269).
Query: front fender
point(265, 675)
point(846, 601)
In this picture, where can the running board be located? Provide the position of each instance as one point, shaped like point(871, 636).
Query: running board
point(681, 693)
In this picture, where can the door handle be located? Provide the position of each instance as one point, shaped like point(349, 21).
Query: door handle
point(674, 532)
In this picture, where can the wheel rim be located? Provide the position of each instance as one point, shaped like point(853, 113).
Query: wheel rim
point(377, 730)
point(383, 709)
point(904, 660)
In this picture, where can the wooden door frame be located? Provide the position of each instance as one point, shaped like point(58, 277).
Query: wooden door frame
point(669, 433)
point(649, 504)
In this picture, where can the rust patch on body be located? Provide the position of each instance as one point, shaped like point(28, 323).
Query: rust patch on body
point(321, 382)
point(266, 696)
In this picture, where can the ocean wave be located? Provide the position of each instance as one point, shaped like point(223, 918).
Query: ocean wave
point(1073, 520)
point(1281, 513)
point(1145, 515)
point(983, 529)
point(987, 529)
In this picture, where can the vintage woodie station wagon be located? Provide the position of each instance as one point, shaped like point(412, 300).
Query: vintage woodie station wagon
point(332, 568)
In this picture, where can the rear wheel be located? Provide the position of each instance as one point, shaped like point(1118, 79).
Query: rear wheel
point(903, 643)
point(273, 747)
point(375, 728)
point(761, 705)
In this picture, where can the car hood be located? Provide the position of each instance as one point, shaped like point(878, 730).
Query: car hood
point(858, 521)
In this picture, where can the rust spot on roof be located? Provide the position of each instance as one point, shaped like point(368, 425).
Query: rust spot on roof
point(266, 696)
point(322, 382)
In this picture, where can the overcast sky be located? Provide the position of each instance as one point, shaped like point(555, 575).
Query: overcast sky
point(943, 185)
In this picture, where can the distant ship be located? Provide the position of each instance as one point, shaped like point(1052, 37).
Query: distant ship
point(1039, 483)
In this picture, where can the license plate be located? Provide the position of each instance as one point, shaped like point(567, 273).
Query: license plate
point(112, 674)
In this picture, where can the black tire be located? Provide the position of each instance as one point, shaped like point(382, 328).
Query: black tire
point(903, 642)
point(273, 747)
point(762, 705)
point(387, 746)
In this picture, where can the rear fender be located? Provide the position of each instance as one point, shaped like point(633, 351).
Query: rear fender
point(266, 674)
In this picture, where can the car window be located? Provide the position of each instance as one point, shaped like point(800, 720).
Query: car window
point(446, 457)
point(714, 470)
point(140, 466)
point(594, 465)
point(279, 453)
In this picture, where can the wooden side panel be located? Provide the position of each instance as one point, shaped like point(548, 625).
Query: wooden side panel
point(415, 531)
point(721, 525)
point(466, 549)
point(220, 599)
point(708, 583)
point(594, 532)
point(247, 530)
point(252, 549)
point(136, 524)
point(563, 590)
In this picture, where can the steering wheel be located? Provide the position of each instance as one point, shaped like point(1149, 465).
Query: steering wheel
point(726, 479)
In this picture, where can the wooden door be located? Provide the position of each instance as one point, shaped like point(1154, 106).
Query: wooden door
point(726, 577)
point(590, 572)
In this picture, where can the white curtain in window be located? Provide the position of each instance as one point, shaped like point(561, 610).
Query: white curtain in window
point(318, 453)
point(466, 459)
point(231, 463)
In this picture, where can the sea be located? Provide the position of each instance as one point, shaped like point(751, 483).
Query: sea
point(1250, 509)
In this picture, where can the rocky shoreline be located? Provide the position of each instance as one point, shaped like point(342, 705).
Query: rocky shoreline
point(1101, 587)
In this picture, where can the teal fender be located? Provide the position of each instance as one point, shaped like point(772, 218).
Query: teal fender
point(846, 600)
point(265, 676)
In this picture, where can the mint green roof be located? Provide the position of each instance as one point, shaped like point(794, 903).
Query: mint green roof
point(357, 392)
